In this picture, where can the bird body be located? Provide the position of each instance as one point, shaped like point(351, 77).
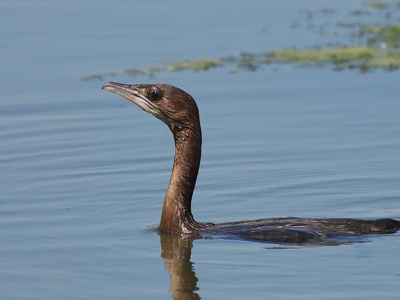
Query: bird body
point(178, 110)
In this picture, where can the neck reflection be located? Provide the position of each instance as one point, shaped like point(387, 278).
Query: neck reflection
point(177, 251)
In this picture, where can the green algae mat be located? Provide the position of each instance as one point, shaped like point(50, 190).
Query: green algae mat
point(377, 48)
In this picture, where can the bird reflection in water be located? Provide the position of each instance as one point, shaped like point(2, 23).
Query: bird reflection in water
point(177, 251)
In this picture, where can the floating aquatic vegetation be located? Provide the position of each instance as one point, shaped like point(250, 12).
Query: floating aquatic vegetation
point(378, 49)
point(363, 58)
point(198, 65)
point(383, 36)
point(377, 5)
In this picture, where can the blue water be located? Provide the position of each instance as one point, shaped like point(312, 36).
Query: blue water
point(84, 172)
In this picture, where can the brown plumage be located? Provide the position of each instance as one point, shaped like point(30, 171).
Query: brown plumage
point(178, 110)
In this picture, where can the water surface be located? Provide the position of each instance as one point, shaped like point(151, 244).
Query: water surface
point(84, 172)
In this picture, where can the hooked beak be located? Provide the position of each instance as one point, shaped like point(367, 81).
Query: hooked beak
point(132, 93)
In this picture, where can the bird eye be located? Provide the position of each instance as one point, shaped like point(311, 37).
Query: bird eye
point(155, 95)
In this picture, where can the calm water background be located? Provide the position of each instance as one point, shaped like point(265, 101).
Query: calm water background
point(83, 172)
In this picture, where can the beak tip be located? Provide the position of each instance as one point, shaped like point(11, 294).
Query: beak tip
point(104, 86)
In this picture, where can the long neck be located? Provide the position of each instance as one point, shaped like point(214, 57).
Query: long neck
point(176, 217)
